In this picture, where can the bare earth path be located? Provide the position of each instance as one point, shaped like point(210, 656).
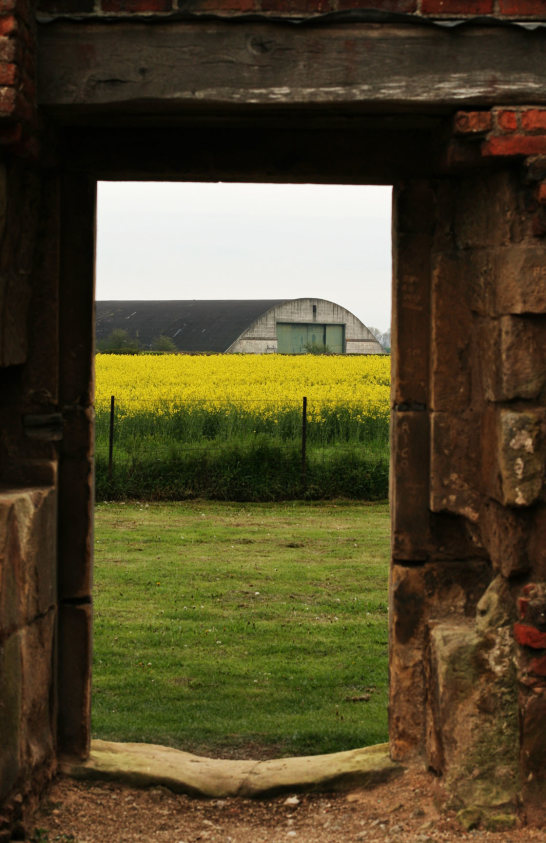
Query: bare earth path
point(410, 809)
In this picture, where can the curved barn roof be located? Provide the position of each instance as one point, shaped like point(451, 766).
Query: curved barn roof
point(195, 325)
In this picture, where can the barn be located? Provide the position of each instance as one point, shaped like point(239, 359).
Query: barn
point(248, 326)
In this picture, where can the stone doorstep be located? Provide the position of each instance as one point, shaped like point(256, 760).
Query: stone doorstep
point(152, 765)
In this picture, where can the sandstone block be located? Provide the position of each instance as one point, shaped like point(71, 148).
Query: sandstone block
point(419, 594)
point(451, 346)
point(410, 484)
point(533, 753)
point(76, 498)
point(505, 534)
point(513, 356)
point(537, 544)
point(413, 211)
point(455, 466)
point(521, 452)
point(505, 280)
point(10, 719)
point(520, 273)
point(37, 704)
point(74, 686)
point(28, 559)
point(472, 713)
point(484, 210)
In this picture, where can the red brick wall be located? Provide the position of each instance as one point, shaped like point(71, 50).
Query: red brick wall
point(17, 73)
point(511, 9)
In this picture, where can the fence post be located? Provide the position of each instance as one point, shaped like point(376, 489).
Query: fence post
point(304, 443)
point(111, 439)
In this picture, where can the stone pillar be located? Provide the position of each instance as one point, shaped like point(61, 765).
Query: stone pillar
point(76, 465)
point(468, 491)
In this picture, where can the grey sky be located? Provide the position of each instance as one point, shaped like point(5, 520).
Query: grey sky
point(159, 240)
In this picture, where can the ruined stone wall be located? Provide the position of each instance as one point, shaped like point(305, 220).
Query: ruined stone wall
point(469, 433)
point(29, 429)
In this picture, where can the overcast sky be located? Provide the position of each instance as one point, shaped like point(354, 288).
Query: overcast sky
point(159, 240)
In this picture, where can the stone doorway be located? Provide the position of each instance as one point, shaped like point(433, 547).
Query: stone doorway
point(467, 409)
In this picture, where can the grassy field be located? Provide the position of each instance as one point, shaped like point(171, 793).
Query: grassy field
point(241, 630)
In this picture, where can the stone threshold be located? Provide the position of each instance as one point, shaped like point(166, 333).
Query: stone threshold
point(146, 765)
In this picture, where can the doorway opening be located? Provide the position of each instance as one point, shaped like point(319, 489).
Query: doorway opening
point(245, 624)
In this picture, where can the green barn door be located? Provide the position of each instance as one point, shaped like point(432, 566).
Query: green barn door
point(291, 338)
point(335, 338)
point(294, 338)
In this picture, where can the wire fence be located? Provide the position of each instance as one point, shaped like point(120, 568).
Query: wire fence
point(245, 450)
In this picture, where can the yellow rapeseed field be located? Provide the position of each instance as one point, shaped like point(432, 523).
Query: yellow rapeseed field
point(264, 384)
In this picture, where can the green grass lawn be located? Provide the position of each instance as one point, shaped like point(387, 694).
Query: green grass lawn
point(241, 630)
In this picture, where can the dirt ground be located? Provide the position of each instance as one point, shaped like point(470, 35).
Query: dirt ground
point(410, 809)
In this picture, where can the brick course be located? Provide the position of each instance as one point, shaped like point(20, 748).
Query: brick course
point(516, 9)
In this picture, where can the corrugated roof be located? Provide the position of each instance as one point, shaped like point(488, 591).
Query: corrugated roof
point(195, 326)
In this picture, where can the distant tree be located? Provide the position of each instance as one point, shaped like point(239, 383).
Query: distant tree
point(118, 342)
point(164, 343)
point(382, 337)
point(317, 348)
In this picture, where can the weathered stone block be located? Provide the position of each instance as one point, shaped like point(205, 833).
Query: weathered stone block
point(74, 687)
point(76, 498)
point(483, 210)
point(453, 537)
point(451, 347)
point(513, 357)
point(20, 210)
point(417, 595)
point(537, 544)
point(37, 702)
point(521, 450)
point(505, 534)
point(472, 710)
point(455, 467)
point(506, 280)
point(28, 559)
point(41, 375)
point(10, 712)
point(533, 753)
point(410, 485)
point(413, 213)
point(520, 274)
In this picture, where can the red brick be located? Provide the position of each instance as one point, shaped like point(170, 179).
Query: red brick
point(507, 121)
point(459, 7)
point(522, 604)
point(66, 6)
point(529, 636)
point(8, 49)
point(8, 25)
point(541, 193)
point(8, 73)
point(473, 122)
point(228, 6)
point(538, 666)
point(7, 100)
point(534, 120)
point(523, 7)
point(384, 5)
point(515, 145)
point(136, 5)
point(286, 6)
